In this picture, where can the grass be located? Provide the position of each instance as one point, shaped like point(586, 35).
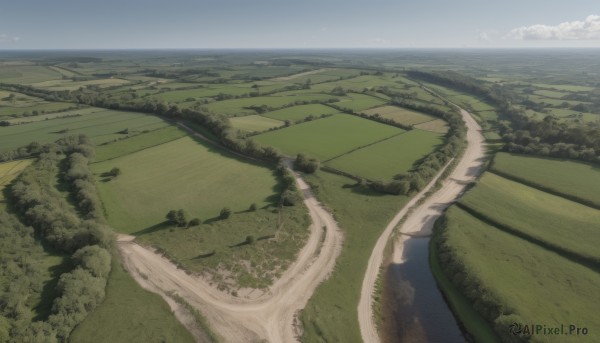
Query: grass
point(254, 123)
point(360, 102)
point(383, 160)
point(136, 143)
point(436, 126)
point(300, 112)
point(236, 107)
point(29, 108)
point(551, 94)
point(198, 178)
point(565, 87)
point(330, 315)
point(100, 126)
point(328, 137)
point(400, 115)
point(279, 237)
point(531, 284)
point(27, 74)
point(573, 179)
point(130, 314)
point(55, 115)
point(552, 220)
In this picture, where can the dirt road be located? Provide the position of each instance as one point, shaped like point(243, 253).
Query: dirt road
point(421, 220)
point(270, 316)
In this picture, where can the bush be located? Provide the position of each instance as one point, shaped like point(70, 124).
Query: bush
point(194, 222)
point(225, 213)
point(253, 208)
point(250, 239)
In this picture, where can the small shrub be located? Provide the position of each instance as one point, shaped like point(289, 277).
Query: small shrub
point(225, 213)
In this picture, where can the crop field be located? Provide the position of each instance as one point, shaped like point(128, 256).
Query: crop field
point(565, 87)
point(8, 172)
point(383, 160)
point(239, 106)
point(574, 179)
point(130, 313)
point(196, 93)
point(360, 102)
point(137, 143)
point(27, 74)
point(102, 126)
point(300, 112)
point(54, 115)
point(400, 115)
point(517, 274)
point(329, 137)
point(550, 94)
point(551, 219)
point(185, 172)
point(254, 123)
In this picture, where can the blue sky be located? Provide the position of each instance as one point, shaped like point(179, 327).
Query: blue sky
point(106, 24)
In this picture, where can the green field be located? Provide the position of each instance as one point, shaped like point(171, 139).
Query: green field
point(328, 137)
point(330, 315)
point(300, 112)
point(55, 115)
point(130, 313)
point(529, 284)
point(360, 102)
point(137, 143)
point(574, 179)
point(555, 221)
point(190, 174)
point(27, 74)
point(101, 126)
point(383, 160)
point(436, 126)
point(236, 107)
point(400, 115)
point(254, 123)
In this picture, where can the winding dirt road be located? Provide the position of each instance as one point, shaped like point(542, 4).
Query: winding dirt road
point(270, 316)
point(421, 220)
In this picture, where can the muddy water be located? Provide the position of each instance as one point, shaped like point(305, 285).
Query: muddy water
point(415, 309)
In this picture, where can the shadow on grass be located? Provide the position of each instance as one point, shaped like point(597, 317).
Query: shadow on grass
point(153, 228)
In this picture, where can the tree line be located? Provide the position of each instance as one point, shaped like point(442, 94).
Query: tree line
point(48, 217)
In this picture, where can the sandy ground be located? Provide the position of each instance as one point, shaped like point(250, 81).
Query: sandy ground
point(270, 316)
point(291, 77)
point(421, 220)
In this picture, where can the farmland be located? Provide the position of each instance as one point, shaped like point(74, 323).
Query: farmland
point(184, 171)
point(575, 180)
point(9, 171)
point(101, 126)
point(400, 115)
point(254, 123)
point(295, 113)
point(383, 160)
point(315, 138)
point(550, 219)
point(489, 255)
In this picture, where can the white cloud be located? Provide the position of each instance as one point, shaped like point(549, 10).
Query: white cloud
point(4, 38)
point(588, 29)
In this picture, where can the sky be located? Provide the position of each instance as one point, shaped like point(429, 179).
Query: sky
point(282, 24)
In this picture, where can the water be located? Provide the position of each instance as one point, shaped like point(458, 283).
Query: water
point(416, 307)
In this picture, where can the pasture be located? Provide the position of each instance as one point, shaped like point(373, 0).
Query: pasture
point(573, 179)
point(192, 175)
point(400, 115)
point(435, 126)
point(138, 142)
point(551, 219)
point(27, 74)
point(236, 107)
point(300, 112)
point(515, 274)
point(254, 123)
point(101, 126)
point(383, 160)
point(360, 102)
point(328, 137)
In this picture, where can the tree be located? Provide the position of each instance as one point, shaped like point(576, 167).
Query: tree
point(181, 217)
point(115, 172)
point(172, 216)
point(253, 207)
point(225, 213)
point(194, 222)
point(250, 239)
